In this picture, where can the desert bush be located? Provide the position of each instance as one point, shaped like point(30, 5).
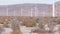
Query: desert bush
point(6, 25)
point(40, 22)
point(30, 22)
point(14, 24)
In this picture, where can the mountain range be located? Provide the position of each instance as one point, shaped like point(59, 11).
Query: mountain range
point(26, 9)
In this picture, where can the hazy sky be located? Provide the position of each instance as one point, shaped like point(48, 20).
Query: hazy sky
point(9, 2)
point(56, 0)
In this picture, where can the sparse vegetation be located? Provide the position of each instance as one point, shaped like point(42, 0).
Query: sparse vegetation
point(1, 29)
point(44, 21)
point(29, 22)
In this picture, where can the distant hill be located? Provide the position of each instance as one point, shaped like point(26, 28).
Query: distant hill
point(26, 9)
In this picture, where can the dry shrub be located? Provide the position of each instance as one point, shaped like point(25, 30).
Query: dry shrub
point(30, 22)
point(40, 33)
point(16, 32)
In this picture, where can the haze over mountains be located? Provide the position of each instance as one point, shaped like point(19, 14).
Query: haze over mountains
point(57, 8)
point(26, 10)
